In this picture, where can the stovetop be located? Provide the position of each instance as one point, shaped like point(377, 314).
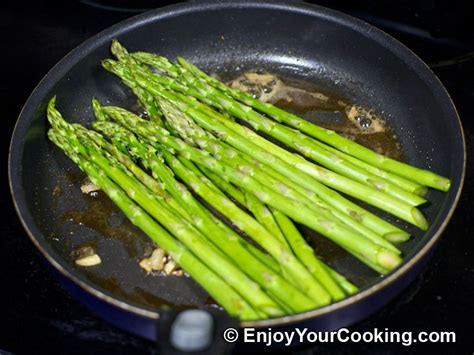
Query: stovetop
point(38, 316)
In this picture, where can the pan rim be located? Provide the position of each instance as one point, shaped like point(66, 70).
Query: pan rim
point(373, 33)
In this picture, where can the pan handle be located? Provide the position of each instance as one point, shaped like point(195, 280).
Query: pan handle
point(194, 331)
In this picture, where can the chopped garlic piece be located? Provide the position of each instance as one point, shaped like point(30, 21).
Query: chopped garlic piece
point(155, 262)
point(90, 260)
point(159, 261)
point(145, 264)
point(88, 186)
point(170, 266)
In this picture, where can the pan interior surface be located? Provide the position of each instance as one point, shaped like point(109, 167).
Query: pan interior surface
point(308, 44)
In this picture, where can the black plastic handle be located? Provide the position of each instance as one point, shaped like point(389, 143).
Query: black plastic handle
point(195, 331)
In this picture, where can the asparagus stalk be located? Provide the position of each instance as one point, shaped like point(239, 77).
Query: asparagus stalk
point(306, 254)
point(348, 287)
point(195, 135)
point(423, 177)
point(404, 183)
point(193, 239)
point(353, 188)
point(226, 296)
point(240, 218)
point(347, 238)
point(292, 269)
point(224, 238)
point(172, 70)
point(321, 273)
point(247, 141)
point(265, 258)
point(295, 139)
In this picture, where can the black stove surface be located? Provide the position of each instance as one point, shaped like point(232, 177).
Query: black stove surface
point(38, 316)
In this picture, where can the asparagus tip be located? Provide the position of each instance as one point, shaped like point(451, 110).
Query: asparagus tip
point(181, 60)
point(108, 64)
point(118, 50)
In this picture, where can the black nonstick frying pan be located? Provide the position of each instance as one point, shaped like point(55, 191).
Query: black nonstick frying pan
point(298, 41)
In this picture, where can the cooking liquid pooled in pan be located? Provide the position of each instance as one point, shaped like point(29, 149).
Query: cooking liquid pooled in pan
point(102, 216)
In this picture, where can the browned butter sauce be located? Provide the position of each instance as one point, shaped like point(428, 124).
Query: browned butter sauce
point(320, 107)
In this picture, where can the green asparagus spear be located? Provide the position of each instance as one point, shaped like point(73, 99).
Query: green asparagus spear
point(286, 228)
point(195, 135)
point(353, 188)
point(195, 241)
point(306, 254)
point(247, 141)
point(224, 238)
point(298, 141)
point(423, 177)
point(240, 218)
point(217, 288)
point(352, 241)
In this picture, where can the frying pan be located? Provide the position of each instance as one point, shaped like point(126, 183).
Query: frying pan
point(294, 40)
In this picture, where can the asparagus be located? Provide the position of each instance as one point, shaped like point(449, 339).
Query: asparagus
point(240, 218)
point(224, 238)
point(423, 177)
point(193, 239)
point(195, 135)
point(395, 179)
point(292, 270)
point(246, 140)
point(353, 188)
point(343, 174)
point(171, 69)
point(347, 238)
point(153, 185)
point(306, 254)
point(263, 214)
point(348, 287)
point(295, 139)
point(258, 170)
point(226, 296)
